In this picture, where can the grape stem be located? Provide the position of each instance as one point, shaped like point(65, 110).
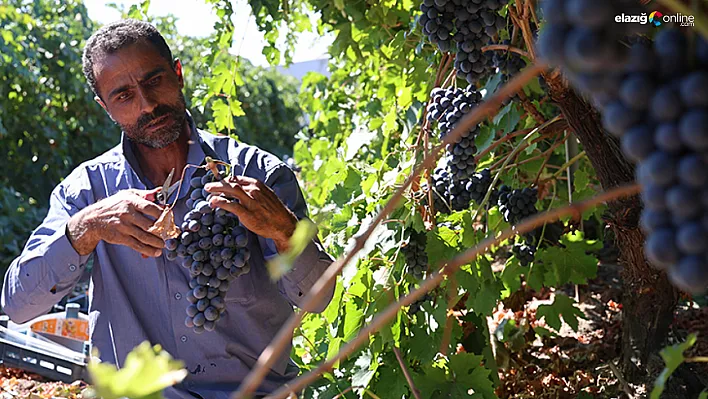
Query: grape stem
point(281, 341)
point(447, 270)
point(506, 47)
point(406, 373)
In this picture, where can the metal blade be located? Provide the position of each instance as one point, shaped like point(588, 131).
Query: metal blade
point(166, 187)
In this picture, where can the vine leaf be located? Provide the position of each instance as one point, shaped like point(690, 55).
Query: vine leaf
point(146, 372)
point(570, 263)
point(165, 226)
point(562, 306)
point(673, 357)
point(303, 235)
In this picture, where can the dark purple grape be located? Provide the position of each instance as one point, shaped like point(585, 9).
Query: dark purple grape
point(693, 171)
point(196, 267)
point(209, 326)
point(694, 129)
point(205, 243)
point(660, 249)
point(193, 225)
point(202, 304)
point(692, 238)
point(217, 228)
point(199, 256)
point(189, 322)
point(211, 313)
point(691, 274)
point(171, 244)
point(199, 319)
point(200, 292)
point(192, 310)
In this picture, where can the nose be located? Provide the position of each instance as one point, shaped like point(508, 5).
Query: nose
point(147, 102)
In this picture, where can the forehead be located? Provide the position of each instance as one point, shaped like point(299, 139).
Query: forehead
point(127, 65)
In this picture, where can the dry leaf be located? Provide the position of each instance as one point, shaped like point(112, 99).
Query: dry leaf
point(165, 225)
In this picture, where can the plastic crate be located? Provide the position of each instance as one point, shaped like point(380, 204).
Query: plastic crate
point(41, 357)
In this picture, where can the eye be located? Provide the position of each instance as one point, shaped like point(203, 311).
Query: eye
point(123, 96)
point(154, 81)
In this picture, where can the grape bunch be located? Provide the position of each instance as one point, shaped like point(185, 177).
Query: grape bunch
point(447, 107)
point(479, 184)
point(583, 38)
point(516, 205)
point(437, 22)
point(507, 63)
point(469, 23)
point(660, 115)
point(416, 257)
point(524, 253)
point(214, 247)
point(416, 306)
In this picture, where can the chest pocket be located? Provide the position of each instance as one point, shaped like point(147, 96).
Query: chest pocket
point(243, 288)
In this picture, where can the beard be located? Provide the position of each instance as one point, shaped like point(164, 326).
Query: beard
point(165, 135)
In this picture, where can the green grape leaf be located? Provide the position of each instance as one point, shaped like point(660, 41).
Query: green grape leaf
point(147, 370)
point(568, 264)
point(673, 357)
point(562, 306)
point(281, 264)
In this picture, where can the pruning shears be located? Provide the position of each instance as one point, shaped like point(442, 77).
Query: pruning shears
point(164, 192)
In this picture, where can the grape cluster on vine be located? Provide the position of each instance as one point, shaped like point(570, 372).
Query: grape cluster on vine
point(516, 205)
point(418, 304)
point(508, 63)
point(214, 247)
point(470, 24)
point(653, 97)
point(583, 37)
point(447, 107)
point(666, 133)
point(415, 254)
point(524, 253)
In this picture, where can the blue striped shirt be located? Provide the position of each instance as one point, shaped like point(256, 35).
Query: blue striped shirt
point(133, 299)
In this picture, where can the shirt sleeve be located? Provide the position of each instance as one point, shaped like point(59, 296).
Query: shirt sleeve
point(313, 261)
point(48, 267)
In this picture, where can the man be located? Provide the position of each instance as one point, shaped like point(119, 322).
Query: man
point(101, 209)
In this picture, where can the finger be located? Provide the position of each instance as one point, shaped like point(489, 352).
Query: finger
point(230, 206)
point(229, 188)
point(148, 239)
point(145, 250)
point(139, 220)
point(148, 207)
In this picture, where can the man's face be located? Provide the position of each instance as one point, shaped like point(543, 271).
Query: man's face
point(142, 93)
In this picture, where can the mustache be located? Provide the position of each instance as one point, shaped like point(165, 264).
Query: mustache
point(159, 111)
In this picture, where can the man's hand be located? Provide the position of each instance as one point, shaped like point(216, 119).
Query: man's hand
point(119, 219)
point(258, 208)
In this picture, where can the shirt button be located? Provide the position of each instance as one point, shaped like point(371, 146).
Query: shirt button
point(178, 296)
point(72, 268)
point(183, 338)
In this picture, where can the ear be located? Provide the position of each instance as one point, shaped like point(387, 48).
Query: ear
point(179, 72)
point(101, 103)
